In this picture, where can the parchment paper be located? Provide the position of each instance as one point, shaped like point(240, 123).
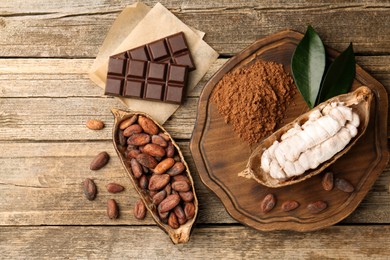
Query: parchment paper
point(139, 24)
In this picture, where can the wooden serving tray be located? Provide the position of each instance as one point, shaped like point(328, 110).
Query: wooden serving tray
point(220, 155)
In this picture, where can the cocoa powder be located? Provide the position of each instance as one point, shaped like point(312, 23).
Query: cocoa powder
point(254, 98)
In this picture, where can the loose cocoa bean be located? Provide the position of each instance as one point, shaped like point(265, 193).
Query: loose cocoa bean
point(181, 178)
point(121, 138)
point(187, 196)
point(160, 196)
point(112, 209)
point(114, 188)
point(168, 189)
point(176, 169)
point(290, 205)
point(154, 150)
point(139, 210)
point(133, 129)
point(172, 221)
point(148, 125)
point(136, 168)
point(157, 139)
point(89, 189)
point(99, 161)
point(344, 185)
point(164, 165)
point(170, 150)
point(180, 186)
point(318, 206)
point(146, 160)
point(157, 182)
point(327, 181)
point(189, 210)
point(95, 124)
point(164, 136)
point(169, 203)
point(268, 203)
point(138, 139)
point(128, 122)
point(163, 215)
point(143, 182)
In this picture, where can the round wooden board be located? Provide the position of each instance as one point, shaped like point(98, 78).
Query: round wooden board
point(220, 155)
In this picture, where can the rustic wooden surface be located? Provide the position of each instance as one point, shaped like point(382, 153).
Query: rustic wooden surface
point(46, 97)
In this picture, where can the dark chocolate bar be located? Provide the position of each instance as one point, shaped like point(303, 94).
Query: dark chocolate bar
point(171, 49)
point(146, 80)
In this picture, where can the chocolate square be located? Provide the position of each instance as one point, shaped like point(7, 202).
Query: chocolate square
point(184, 59)
point(177, 74)
point(154, 91)
point(113, 87)
point(136, 68)
point(134, 89)
point(157, 71)
point(177, 43)
point(158, 50)
point(139, 53)
point(174, 94)
point(116, 66)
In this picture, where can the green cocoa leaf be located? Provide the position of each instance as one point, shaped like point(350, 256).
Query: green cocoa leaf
point(339, 77)
point(308, 65)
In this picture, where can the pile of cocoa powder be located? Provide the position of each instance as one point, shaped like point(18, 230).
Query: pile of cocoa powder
point(254, 98)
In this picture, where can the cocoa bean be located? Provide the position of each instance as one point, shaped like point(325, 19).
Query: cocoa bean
point(172, 221)
point(180, 186)
point(94, 124)
point(139, 210)
point(112, 209)
point(327, 181)
point(141, 148)
point(157, 182)
point(169, 203)
point(145, 169)
point(164, 136)
point(136, 168)
point(128, 122)
point(148, 125)
point(157, 139)
point(89, 189)
point(154, 150)
point(168, 189)
point(176, 169)
point(152, 193)
point(121, 138)
point(177, 158)
point(187, 196)
point(163, 166)
point(160, 196)
point(99, 161)
point(316, 207)
point(290, 205)
point(170, 150)
point(133, 153)
point(344, 185)
point(133, 129)
point(179, 212)
point(181, 178)
point(163, 215)
point(268, 203)
point(138, 139)
point(114, 188)
point(189, 210)
point(146, 160)
point(143, 182)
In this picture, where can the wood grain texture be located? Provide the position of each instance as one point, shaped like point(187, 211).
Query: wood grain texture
point(211, 242)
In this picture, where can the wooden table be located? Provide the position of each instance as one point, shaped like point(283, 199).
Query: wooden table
point(46, 97)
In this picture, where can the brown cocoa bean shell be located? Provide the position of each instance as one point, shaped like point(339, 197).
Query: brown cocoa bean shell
point(112, 209)
point(181, 186)
point(136, 168)
point(158, 197)
point(187, 196)
point(344, 185)
point(148, 125)
point(139, 210)
point(189, 210)
point(94, 124)
point(133, 129)
point(89, 189)
point(176, 169)
point(158, 182)
point(327, 181)
point(147, 160)
point(172, 221)
point(164, 165)
point(128, 122)
point(289, 205)
point(317, 207)
point(157, 139)
point(170, 150)
point(143, 182)
point(138, 139)
point(268, 203)
point(169, 202)
point(154, 150)
point(99, 161)
point(114, 188)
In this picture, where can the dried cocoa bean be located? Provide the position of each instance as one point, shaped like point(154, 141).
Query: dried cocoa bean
point(121, 138)
point(169, 203)
point(164, 165)
point(168, 189)
point(133, 153)
point(157, 139)
point(179, 213)
point(170, 150)
point(141, 148)
point(172, 221)
point(344, 185)
point(95, 124)
point(181, 178)
point(148, 125)
point(160, 196)
point(114, 188)
point(177, 158)
point(327, 181)
point(163, 215)
point(139, 210)
point(187, 196)
point(318, 206)
point(164, 136)
point(138, 139)
point(189, 210)
point(290, 205)
point(268, 203)
point(99, 161)
point(89, 189)
point(143, 182)
point(133, 129)
point(176, 169)
point(136, 168)
point(154, 150)
point(152, 193)
point(145, 169)
point(128, 122)
point(157, 182)
point(146, 160)
point(180, 186)
point(112, 209)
